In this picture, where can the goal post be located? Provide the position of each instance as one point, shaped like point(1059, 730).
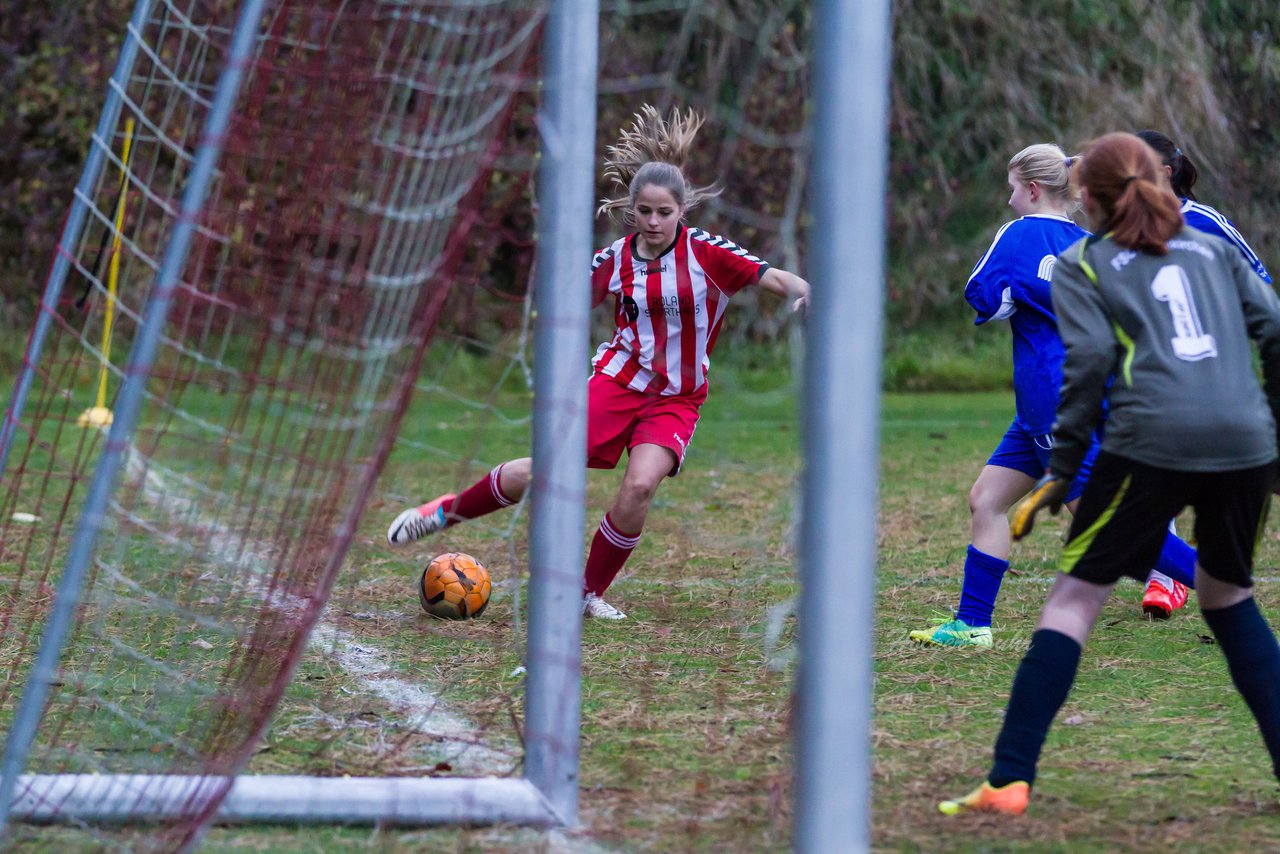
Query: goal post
point(835, 674)
point(562, 297)
point(295, 799)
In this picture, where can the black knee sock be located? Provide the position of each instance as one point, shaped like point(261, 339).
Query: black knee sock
point(1039, 689)
point(1253, 657)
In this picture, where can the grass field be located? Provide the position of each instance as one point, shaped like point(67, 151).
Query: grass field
point(685, 742)
point(1152, 751)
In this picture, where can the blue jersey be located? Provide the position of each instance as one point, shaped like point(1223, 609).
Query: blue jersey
point(1012, 282)
point(1206, 219)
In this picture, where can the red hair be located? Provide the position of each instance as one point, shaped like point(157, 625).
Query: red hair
point(1124, 178)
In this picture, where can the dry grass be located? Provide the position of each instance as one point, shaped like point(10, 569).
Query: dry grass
point(686, 707)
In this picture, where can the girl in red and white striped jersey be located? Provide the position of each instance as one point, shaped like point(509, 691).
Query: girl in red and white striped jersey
point(670, 284)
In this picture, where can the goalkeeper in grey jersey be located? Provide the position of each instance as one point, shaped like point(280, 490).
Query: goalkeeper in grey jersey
point(1170, 312)
point(1175, 330)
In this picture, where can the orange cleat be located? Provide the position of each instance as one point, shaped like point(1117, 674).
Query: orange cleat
point(1159, 603)
point(1010, 799)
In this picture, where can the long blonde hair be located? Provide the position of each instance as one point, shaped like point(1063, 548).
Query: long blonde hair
point(653, 150)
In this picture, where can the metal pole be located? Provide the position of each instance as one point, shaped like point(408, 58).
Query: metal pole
point(128, 402)
point(562, 297)
point(280, 799)
point(842, 410)
point(75, 224)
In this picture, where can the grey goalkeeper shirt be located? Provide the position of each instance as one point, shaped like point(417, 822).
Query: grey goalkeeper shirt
point(1174, 331)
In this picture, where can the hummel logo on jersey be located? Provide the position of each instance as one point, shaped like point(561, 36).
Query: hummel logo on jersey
point(1046, 268)
point(1123, 258)
point(651, 267)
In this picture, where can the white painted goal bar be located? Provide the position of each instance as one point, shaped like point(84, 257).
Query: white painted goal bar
point(406, 801)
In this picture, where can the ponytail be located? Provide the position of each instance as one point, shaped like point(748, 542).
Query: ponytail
point(1123, 177)
point(1182, 172)
point(1050, 167)
point(653, 150)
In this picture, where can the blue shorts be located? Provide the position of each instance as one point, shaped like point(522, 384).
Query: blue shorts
point(1029, 454)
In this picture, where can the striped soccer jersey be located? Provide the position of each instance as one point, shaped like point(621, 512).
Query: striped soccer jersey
point(668, 310)
point(1204, 218)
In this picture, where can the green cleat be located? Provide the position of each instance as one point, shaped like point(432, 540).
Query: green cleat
point(954, 633)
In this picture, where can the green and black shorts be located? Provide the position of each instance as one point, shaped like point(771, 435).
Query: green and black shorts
point(1123, 518)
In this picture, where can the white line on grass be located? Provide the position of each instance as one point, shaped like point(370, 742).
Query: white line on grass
point(548, 841)
point(426, 712)
point(365, 663)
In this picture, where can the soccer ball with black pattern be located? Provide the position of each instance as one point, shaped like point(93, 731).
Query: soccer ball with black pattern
point(454, 586)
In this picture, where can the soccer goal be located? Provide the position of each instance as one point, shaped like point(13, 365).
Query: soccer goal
point(275, 202)
point(282, 202)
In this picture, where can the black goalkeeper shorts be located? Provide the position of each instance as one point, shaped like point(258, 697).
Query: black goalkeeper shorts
point(1123, 518)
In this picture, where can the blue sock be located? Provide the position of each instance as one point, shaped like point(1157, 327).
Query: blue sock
point(982, 576)
point(1039, 689)
point(1253, 657)
point(1177, 560)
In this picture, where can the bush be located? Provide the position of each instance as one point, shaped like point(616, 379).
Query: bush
point(55, 60)
point(947, 357)
point(977, 80)
point(974, 81)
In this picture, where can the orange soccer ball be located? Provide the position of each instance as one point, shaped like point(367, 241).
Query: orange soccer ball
point(454, 586)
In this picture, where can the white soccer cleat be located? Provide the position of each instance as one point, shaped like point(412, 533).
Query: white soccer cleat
point(417, 522)
point(594, 606)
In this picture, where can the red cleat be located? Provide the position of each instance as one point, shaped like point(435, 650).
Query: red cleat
point(1159, 603)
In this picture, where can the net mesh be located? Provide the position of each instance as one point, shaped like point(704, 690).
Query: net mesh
point(360, 150)
point(414, 710)
point(743, 66)
point(374, 208)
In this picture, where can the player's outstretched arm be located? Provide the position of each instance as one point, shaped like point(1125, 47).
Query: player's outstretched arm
point(787, 285)
point(1049, 492)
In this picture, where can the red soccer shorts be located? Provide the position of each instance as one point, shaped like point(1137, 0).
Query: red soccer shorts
point(618, 418)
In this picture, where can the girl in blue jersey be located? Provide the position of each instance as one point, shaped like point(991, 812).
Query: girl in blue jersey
point(1011, 282)
point(1183, 175)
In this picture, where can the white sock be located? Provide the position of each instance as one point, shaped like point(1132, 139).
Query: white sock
point(1160, 578)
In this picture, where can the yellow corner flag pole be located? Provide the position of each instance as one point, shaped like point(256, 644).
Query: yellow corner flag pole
point(100, 415)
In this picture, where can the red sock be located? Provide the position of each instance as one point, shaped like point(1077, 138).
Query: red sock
point(609, 551)
point(482, 497)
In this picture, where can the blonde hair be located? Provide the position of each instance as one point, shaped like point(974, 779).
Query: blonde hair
point(653, 150)
point(1049, 166)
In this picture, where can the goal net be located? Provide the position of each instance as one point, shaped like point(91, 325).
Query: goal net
point(357, 153)
point(745, 67)
point(372, 211)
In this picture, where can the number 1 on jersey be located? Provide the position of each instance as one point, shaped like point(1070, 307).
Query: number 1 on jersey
point(1190, 343)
